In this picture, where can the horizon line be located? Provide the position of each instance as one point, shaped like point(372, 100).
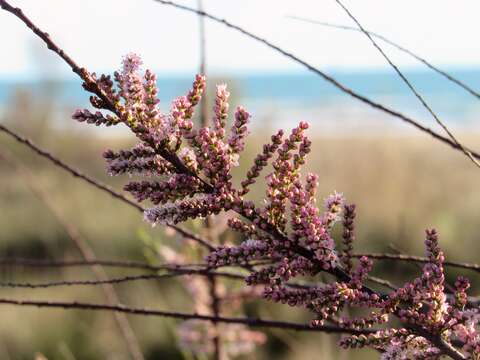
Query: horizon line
point(61, 76)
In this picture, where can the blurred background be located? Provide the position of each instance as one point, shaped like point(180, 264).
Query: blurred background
point(402, 181)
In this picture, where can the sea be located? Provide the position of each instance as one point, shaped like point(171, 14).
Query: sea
point(283, 99)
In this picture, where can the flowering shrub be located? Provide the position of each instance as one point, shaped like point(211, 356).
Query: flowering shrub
point(189, 177)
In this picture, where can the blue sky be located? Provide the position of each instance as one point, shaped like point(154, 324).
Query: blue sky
point(97, 33)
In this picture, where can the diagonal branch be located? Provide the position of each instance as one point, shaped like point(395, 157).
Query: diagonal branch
point(61, 164)
point(410, 86)
point(397, 46)
point(103, 187)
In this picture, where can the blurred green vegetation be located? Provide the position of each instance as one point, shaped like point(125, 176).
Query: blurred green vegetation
point(401, 185)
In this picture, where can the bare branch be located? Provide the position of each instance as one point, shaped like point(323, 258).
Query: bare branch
point(77, 173)
point(251, 322)
point(43, 35)
point(61, 164)
point(106, 263)
point(382, 282)
point(419, 259)
point(204, 122)
point(397, 46)
point(119, 280)
point(410, 86)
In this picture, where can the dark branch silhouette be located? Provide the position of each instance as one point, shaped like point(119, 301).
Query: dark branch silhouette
point(77, 173)
point(397, 46)
point(23, 262)
point(410, 86)
point(119, 280)
point(251, 322)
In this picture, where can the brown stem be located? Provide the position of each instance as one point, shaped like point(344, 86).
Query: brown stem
point(410, 86)
point(106, 263)
point(204, 122)
point(251, 322)
point(120, 280)
point(103, 187)
point(397, 46)
point(419, 259)
point(212, 280)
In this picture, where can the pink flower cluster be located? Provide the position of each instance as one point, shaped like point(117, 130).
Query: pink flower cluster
point(423, 303)
point(293, 237)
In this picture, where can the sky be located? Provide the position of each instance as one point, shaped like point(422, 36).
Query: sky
point(97, 33)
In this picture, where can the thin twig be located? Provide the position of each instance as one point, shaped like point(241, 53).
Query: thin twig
point(215, 305)
point(410, 86)
point(395, 45)
point(449, 289)
point(382, 282)
point(106, 263)
point(87, 253)
point(323, 75)
point(145, 266)
point(173, 271)
point(251, 322)
point(91, 85)
point(89, 81)
point(61, 164)
point(419, 259)
point(119, 280)
point(204, 122)
point(103, 187)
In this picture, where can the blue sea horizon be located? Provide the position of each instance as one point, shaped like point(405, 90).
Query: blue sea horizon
point(289, 97)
